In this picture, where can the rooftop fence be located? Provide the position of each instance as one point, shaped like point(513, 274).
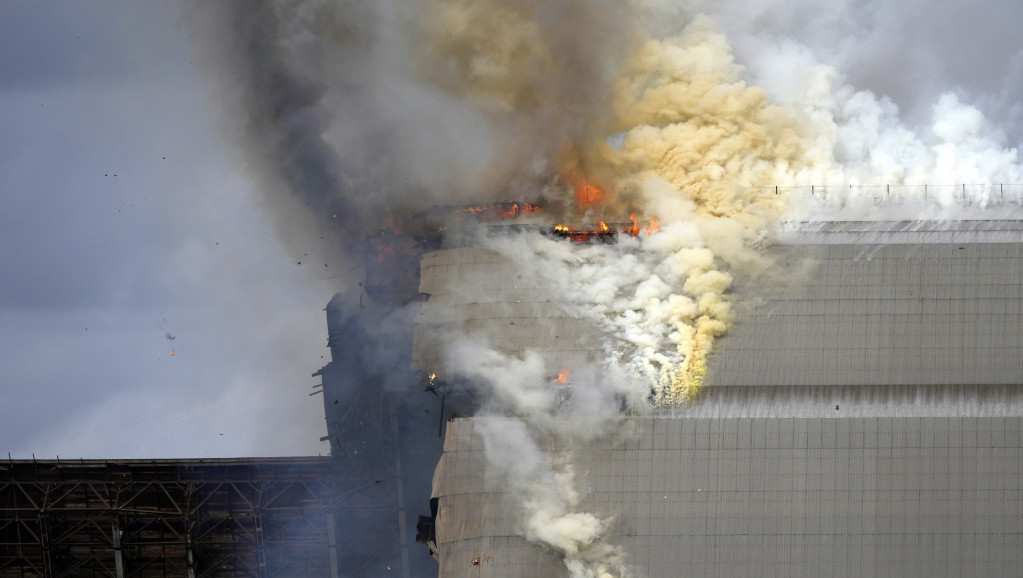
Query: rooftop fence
point(964, 194)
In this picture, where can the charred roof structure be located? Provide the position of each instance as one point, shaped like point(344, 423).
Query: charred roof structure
point(863, 416)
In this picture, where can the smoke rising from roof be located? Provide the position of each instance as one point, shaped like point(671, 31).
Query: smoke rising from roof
point(699, 149)
point(540, 71)
point(688, 113)
point(339, 130)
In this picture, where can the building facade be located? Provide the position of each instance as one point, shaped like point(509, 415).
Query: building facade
point(863, 416)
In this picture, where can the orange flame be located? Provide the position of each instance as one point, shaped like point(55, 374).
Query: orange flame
point(602, 233)
point(562, 376)
point(634, 230)
point(586, 193)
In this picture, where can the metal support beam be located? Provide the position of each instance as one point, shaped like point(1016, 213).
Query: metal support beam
point(118, 559)
point(402, 515)
point(332, 544)
point(189, 555)
point(45, 543)
point(257, 518)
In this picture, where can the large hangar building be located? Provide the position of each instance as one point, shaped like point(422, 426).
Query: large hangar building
point(862, 417)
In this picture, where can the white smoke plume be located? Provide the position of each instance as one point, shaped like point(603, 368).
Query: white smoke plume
point(548, 496)
point(522, 405)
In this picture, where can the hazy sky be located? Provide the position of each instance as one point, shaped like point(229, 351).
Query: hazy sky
point(124, 220)
point(146, 306)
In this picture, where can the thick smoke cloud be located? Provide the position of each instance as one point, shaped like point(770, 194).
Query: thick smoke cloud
point(541, 72)
point(688, 141)
point(687, 113)
point(323, 102)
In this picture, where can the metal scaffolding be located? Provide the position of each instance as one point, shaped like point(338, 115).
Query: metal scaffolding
point(155, 518)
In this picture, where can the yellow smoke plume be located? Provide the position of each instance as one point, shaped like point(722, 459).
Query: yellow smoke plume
point(692, 140)
point(541, 71)
point(667, 128)
point(689, 123)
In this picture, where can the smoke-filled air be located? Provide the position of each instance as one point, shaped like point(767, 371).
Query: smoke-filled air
point(699, 125)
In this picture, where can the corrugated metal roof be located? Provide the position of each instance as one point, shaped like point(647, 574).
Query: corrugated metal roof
point(964, 400)
point(763, 497)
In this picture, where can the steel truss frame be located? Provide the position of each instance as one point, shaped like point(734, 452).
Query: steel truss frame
point(153, 518)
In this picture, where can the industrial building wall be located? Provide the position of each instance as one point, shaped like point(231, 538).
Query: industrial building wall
point(862, 416)
point(860, 304)
point(889, 312)
point(761, 497)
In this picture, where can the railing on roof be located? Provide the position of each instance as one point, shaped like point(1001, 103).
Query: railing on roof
point(963, 194)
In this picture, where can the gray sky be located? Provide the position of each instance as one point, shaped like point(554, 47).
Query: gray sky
point(127, 216)
point(126, 219)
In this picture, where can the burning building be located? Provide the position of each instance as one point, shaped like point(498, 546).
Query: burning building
point(713, 396)
point(717, 395)
point(863, 412)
